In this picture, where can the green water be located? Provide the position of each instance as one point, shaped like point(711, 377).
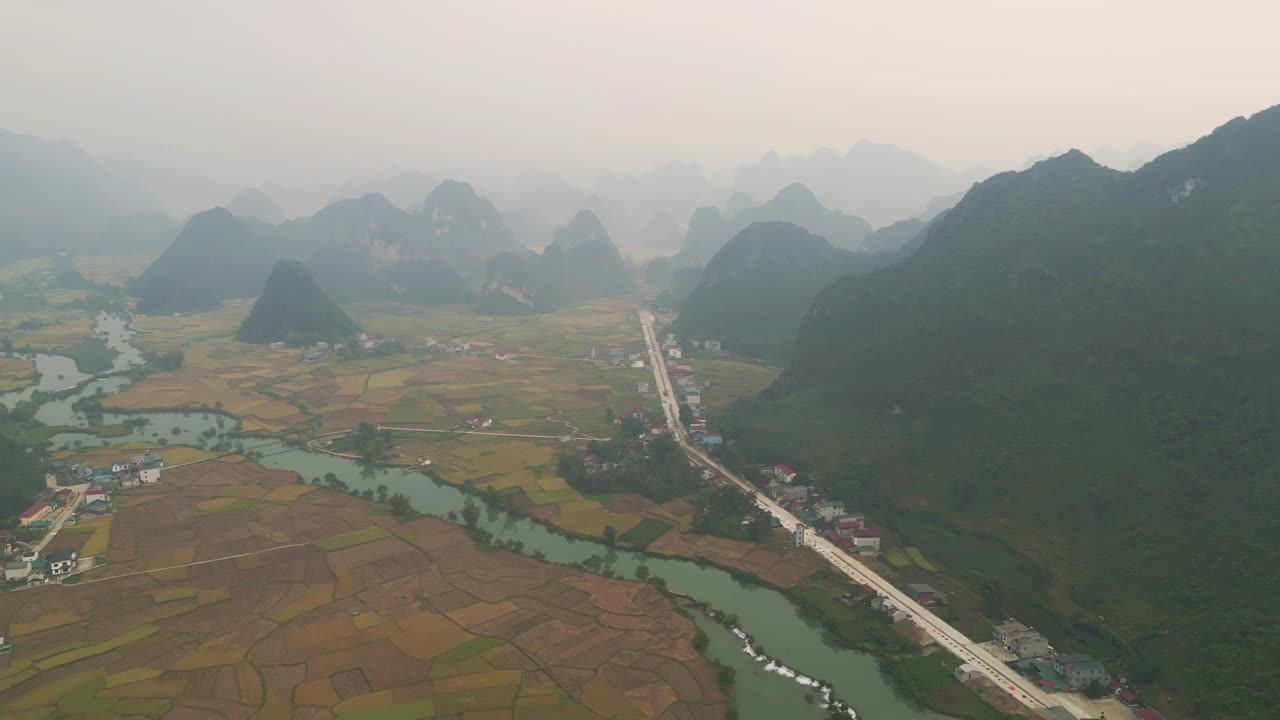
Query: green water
point(771, 619)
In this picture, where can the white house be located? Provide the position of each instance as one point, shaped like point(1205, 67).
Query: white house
point(637, 363)
point(62, 561)
point(967, 672)
point(149, 475)
point(674, 353)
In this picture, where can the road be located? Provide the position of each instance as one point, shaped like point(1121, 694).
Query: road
point(1001, 675)
point(65, 512)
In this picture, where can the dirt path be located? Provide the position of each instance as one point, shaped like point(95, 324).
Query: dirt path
point(197, 562)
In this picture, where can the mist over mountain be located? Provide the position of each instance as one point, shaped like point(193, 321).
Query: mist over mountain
point(1084, 360)
point(141, 232)
point(214, 257)
point(54, 197)
point(709, 230)
point(294, 310)
point(346, 274)
point(879, 182)
point(256, 204)
point(730, 302)
point(529, 226)
point(662, 232)
point(403, 188)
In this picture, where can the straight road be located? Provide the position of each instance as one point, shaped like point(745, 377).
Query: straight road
point(1001, 675)
point(65, 512)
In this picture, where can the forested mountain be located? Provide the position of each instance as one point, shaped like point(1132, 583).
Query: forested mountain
point(346, 275)
point(662, 232)
point(754, 292)
point(427, 282)
point(215, 257)
point(796, 204)
point(54, 197)
point(293, 309)
point(1081, 362)
point(580, 263)
point(895, 236)
point(256, 204)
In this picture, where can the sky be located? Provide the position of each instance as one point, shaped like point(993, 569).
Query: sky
point(574, 86)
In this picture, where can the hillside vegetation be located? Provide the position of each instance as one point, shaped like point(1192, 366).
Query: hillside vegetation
point(294, 310)
point(755, 291)
point(1080, 362)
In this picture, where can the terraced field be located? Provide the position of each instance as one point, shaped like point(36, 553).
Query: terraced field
point(309, 603)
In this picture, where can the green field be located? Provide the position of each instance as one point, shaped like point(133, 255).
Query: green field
point(351, 539)
point(645, 532)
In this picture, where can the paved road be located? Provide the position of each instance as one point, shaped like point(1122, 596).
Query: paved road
point(77, 494)
point(953, 640)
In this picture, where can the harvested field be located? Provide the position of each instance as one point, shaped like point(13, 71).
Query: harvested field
point(779, 563)
point(15, 374)
point(336, 615)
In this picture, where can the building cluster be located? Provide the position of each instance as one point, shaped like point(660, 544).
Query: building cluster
point(479, 422)
point(464, 348)
point(621, 357)
point(317, 352)
point(1053, 671)
point(827, 516)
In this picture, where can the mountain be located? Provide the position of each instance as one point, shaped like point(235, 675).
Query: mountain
point(293, 309)
point(141, 232)
point(463, 228)
point(347, 275)
point(662, 232)
point(1067, 399)
point(403, 188)
point(895, 236)
point(369, 224)
point(728, 303)
point(254, 203)
point(529, 226)
point(427, 282)
point(879, 182)
point(215, 257)
point(54, 197)
point(580, 263)
point(796, 204)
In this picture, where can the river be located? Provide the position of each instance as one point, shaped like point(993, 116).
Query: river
point(772, 620)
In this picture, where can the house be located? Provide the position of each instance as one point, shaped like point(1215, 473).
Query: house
point(63, 495)
point(693, 398)
point(36, 512)
point(478, 423)
point(130, 481)
point(637, 363)
point(96, 494)
point(58, 465)
point(591, 353)
point(322, 346)
point(712, 439)
point(791, 493)
point(642, 388)
point(17, 570)
point(277, 345)
point(784, 473)
point(636, 413)
point(674, 353)
point(94, 510)
point(149, 475)
point(501, 356)
point(6, 541)
point(121, 467)
point(1080, 670)
point(30, 556)
point(712, 345)
point(867, 539)
point(1147, 714)
point(845, 527)
point(1020, 640)
point(312, 355)
point(829, 510)
point(923, 594)
point(62, 561)
point(967, 672)
point(592, 463)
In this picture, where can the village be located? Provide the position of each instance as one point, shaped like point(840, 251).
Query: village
point(77, 492)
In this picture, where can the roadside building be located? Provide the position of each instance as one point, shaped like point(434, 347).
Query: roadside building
point(967, 672)
point(829, 510)
point(37, 511)
point(712, 438)
point(923, 594)
point(1020, 640)
point(784, 473)
point(847, 526)
point(674, 353)
point(62, 561)
point(149, 476)
point(1080, 670)
point(17, 571)
point(866, 540)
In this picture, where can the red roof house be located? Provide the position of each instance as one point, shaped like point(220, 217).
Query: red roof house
point(34, 511)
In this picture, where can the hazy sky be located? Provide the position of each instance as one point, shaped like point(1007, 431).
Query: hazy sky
point(577, 85)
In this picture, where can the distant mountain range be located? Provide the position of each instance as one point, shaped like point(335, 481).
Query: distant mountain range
point(294, 310)
point(256, 204)
point(881, 183)
point(1080, 362)
point(710, 229)
point(754, 292)
point(54, 197)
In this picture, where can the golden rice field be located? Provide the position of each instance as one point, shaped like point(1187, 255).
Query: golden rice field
point(15, 374)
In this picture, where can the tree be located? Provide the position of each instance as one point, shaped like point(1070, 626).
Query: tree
point(400, 504)
point(610, 535)
point(686, 415)
point(367, 494)
point(642, 572)
point(452, 515)
point(470, 514)
point(1095, 690)
point(382, 493)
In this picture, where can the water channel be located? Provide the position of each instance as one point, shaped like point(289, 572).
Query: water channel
point(773, 621)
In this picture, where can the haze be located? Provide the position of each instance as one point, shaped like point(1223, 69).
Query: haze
point(260, 90)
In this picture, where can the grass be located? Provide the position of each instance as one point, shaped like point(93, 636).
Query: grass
point(98, 543)
point(859, 625)
point(918, 558)
point(929, 680)
point(645, 532)
point(547, 497)
point(469, 649)
point(898, 558)
point(351, 539)
point(92, 356)
point(407, 711)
